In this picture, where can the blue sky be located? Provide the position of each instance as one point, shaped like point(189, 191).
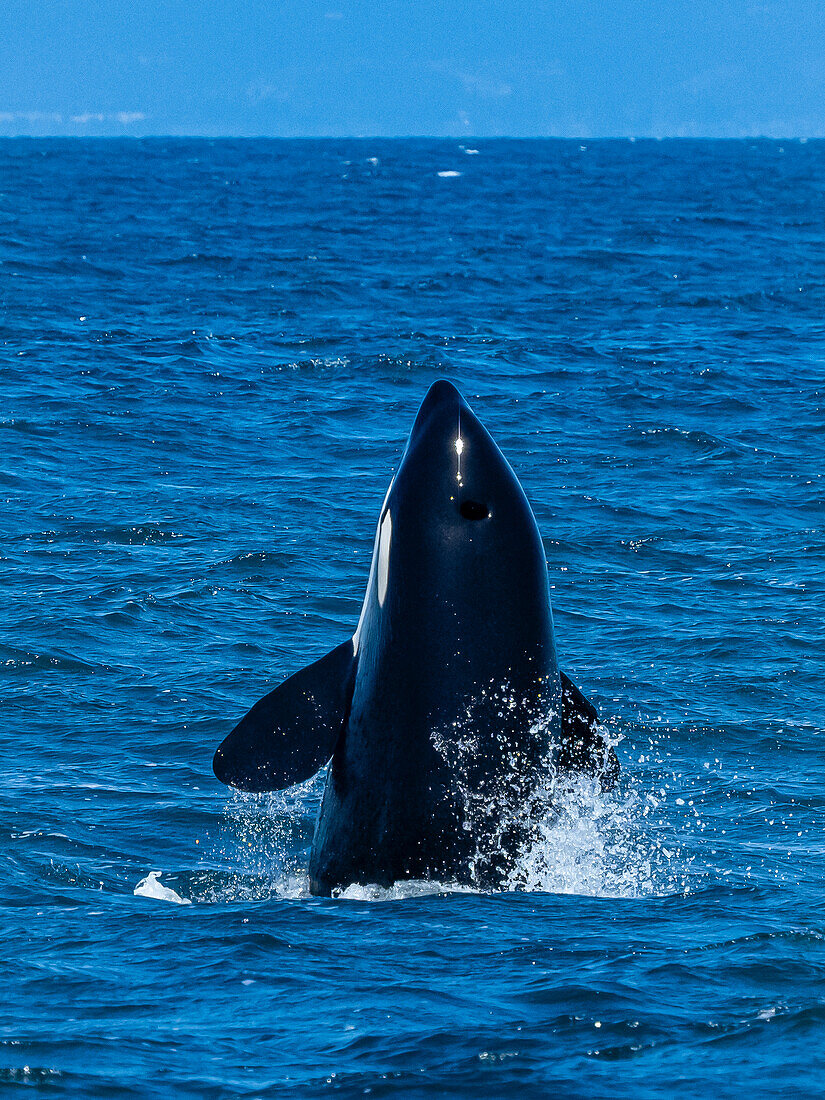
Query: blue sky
point(570, 68)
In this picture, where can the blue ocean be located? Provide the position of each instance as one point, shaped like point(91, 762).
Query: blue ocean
point(212, 354)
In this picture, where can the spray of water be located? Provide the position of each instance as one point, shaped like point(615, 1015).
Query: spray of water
point(544, 830)
point(553, 833)
point(535, 829)
point(262, 849)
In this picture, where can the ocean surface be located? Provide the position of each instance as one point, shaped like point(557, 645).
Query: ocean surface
point(212, 352)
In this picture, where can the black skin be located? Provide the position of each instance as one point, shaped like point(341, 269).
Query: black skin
point(447, 709)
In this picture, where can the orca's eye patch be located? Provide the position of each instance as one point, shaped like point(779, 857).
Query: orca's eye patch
point(472, 509)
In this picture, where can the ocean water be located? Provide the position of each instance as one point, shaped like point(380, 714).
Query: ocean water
point(212, 352)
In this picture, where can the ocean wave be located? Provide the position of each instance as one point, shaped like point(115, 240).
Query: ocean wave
point(25, 661)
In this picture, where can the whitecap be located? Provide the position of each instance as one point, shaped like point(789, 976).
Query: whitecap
point(152, 887)
point(448, 175)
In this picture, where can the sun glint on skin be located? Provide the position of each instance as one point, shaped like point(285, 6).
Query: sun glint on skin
point(459, 448)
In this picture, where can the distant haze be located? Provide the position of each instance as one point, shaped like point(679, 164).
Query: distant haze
point(482, 68)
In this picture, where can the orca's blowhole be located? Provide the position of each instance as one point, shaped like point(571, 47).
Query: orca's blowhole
point(472, 509)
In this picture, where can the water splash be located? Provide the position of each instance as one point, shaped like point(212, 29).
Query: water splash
point(575, 838)
point(598, 844)
point(552, 831)
point(263, 849)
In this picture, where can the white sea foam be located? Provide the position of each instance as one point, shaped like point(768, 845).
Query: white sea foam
point(152, 887)
point(448, 175)
point(400, 891)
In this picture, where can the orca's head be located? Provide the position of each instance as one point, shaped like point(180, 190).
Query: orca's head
point(457, 543)
point(455, 474)
point(453, 464)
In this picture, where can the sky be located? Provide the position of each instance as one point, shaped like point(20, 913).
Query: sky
point(474, 68)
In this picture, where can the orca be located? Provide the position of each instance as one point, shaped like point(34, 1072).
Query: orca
point(446, 711)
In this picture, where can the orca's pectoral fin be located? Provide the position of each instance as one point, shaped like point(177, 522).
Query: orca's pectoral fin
point(583, 745)
point(291, 732)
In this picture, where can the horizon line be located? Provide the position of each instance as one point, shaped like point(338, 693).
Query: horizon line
point(463, 138)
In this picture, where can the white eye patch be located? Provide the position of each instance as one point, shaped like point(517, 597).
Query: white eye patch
point(384, 538)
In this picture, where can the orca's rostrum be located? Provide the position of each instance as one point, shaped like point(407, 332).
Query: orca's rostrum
point(446, 709)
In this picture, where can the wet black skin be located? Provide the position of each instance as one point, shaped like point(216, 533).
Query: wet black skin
point(447, 707)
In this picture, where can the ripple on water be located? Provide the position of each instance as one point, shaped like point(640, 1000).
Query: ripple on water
point(212, 352)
